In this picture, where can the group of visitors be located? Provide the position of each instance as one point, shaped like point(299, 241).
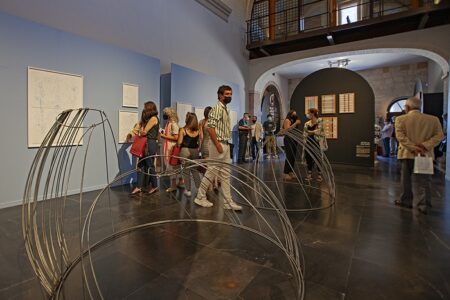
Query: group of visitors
point(252, 135)
point(210, 138)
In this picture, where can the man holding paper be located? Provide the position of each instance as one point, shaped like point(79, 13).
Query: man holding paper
point(417, 134)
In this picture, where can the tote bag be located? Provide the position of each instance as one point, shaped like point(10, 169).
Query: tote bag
point(174, 161)
point(138, 146)
point(423, 165)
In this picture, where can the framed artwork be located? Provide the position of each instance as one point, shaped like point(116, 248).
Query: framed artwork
point(330, 126)
point(311, 102)
point(199, 112)
point(49, 94)
point(347, 103)
point(127, 120)
point(182, 110)
point(233, 119)
point(328, 104)
point(130, 95)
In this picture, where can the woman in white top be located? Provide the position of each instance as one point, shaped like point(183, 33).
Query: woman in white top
point(170, 136)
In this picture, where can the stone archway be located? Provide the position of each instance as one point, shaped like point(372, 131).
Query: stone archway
point(271, 103)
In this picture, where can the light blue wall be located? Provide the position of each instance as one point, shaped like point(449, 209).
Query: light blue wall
point(104, 67)
point(200, 90)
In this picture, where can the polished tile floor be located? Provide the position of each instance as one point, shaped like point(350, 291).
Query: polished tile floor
point(362, 248)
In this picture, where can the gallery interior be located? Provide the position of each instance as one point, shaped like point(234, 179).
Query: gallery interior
point(282, 207)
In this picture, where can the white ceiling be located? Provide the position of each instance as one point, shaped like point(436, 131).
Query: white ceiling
point(357, 63)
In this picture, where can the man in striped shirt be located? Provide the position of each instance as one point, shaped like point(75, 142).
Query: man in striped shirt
point(219, 129)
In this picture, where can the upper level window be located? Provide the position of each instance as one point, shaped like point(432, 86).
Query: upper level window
point(348, 14)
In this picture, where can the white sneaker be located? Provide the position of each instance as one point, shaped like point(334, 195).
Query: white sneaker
point(231, 205)
point(187, 193)
point(203, 202)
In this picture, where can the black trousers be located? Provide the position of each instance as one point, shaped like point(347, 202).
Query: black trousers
point(243, 139)
point(255, 147)
point(147, 165)
point(290, 148)
point(313, 145)
point(387, 148)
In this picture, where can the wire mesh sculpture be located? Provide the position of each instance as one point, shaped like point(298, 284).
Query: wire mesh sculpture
point(66, 231)
point(301, 194)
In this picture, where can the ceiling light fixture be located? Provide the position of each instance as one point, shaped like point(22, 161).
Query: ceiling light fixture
point(340, 63)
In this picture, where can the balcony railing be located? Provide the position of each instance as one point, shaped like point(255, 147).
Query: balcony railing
point(317, 15)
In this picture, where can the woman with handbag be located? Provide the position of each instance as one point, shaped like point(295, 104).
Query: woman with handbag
point(188, 140)
point(315, 138)
point(170, 136)
point(147, 127)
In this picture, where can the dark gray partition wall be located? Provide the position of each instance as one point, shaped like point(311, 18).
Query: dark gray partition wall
point(355, 130)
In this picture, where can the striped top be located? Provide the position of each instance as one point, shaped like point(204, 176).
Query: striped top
point(219, 118)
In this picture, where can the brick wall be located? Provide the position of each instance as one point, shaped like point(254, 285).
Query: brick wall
point(392, 82)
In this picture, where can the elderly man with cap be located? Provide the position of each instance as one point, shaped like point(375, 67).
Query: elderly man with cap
point(417, 134)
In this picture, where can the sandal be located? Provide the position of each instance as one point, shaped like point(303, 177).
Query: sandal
point(136, 191)
point(287, 177)
point(152, 191)
point(171, 189)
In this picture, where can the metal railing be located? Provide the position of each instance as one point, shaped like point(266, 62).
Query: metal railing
point(316, 15)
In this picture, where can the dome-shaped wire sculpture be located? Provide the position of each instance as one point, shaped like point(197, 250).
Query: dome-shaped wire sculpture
point(299, 194)
point(62, 246)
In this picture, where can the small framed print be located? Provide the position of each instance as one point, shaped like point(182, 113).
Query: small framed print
point(347, 103)
point(130, 95)
point(328, 104)
point(311, 102)
point(330, 126)
point(127, 120)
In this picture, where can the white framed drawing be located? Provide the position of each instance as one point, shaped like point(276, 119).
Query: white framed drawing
point(182, 110)
point(199, 112)
point(127, 120)
point(50, 93)
point(233, 119)
point(130, 95)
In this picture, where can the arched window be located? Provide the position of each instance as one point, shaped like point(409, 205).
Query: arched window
point(270, 104)
point(397, 105)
